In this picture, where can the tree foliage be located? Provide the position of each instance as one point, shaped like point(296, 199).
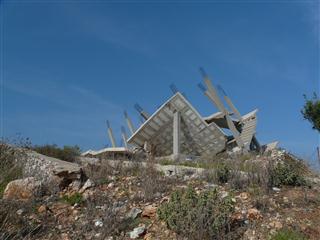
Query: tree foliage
point(311, 111)
point(67, 153)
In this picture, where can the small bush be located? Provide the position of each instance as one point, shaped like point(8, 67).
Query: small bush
point(154, 183)
point(99, 173)
point(286, 234)
point(287, 174)
point(203, 216)
point(311, 111)
point(222, 172)
point(67, 153)
point(73, 199)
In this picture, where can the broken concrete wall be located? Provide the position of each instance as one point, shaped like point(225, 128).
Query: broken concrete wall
point(50, 171)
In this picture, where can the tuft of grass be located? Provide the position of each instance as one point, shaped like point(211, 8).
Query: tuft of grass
point(287, 234)
point(73, 199)
point(166, 162)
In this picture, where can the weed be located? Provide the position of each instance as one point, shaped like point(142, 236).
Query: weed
point(287, 234)
point(73, 199)
point(153, 182)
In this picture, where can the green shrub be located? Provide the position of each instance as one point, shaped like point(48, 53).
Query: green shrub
point(203, 216)
point(73, 199)
point(311, 111)
point(67, 153)
point(222, 172)
point(286, 234)
point(287, 174)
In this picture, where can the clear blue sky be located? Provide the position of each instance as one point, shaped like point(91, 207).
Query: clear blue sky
point(67, 67)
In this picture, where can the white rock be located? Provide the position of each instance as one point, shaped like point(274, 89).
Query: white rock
point(137, 232)
point(98, 223)
point(88, 184)
point(75, 185)
point(276, 189)
point(134, 213)
point(20, 211)
point(224, 194)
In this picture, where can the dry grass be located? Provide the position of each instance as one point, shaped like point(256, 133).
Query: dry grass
point(10, 166)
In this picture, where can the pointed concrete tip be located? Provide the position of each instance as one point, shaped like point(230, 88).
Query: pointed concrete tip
point(222, 90)
point(202, 87)
point(203, 72)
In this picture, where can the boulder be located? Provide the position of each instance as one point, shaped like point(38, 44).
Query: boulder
point(88, 184)
point(254, 214)
point(137, 232)
point(276, 189)
point(75, 185)
point(244, 196)
point(42, 209)
point(275, 224)
point(52, 172)
point(22, 189)
point(134, 213)
point(149, 211)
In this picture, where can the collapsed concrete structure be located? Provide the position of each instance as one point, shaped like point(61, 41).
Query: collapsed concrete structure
point(177, 129)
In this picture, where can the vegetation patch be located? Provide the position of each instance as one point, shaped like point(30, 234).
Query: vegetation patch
point(222, 172)
point(287, 234)
point(73, 199)
point(311, 111)
point(203, 216)
point(287, 173)
point(67, 153)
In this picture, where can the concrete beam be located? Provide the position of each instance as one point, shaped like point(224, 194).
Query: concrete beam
point(110, 133)
point(176, 133)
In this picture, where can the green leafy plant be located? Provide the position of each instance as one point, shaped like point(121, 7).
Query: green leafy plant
point(311, 111)
point(287, 174)
point(287, 234)
point(73, 199)
point(203, 216)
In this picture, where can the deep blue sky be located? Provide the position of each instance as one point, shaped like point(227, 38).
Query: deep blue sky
point(67, 67)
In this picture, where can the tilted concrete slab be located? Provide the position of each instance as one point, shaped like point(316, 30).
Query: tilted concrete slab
point(197, 136)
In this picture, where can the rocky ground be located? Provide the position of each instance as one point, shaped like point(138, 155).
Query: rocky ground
point(113, 202)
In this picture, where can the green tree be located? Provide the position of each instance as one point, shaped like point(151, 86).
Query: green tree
point(311, 111)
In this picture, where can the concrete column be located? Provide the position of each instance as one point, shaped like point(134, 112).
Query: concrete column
point(124, 139)
point(129, 123)
point(113, 142)
point(176, 134)
point(110, 133)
